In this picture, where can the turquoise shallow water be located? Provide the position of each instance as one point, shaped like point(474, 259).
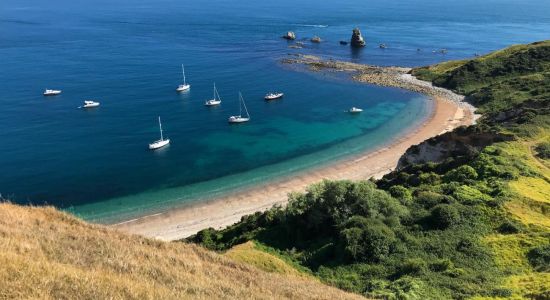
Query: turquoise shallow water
point(127, 55)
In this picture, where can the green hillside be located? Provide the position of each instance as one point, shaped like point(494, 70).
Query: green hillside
point(475, 225)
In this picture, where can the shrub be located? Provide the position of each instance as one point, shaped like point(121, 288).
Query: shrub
point(444, 216)
point(461, 174)
point(509, 227)
point(543, 150)
point(470, 195)
point(401, 193)
point(414, 267)
point(366, 239)
point(539, 258)
point(441, 265)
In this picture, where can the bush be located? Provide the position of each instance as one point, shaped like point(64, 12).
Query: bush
point(444, 216)
point(539, 258)
point(441, 265)
point(413, 267)
point(401, 193)
point(469, 195)
point(543, 150)
point(366, 239)
point(461, 174)
point(509, 227)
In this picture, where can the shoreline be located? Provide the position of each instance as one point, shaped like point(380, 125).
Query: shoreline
point(448, 112)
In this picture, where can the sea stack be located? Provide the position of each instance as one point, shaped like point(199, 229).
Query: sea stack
point(356, 39)
point(290, 36)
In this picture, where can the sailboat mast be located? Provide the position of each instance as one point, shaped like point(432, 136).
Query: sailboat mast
point(215, 91)
point(244, 104)
point(160, 127)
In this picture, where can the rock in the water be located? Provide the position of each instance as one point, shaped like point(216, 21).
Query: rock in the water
point(290, 36)
point(343, 43)
point(356, 38)
point(315, 39)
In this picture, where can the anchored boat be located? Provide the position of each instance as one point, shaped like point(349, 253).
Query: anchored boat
point(90, 104)
point(183, 87)
point(160, 143)
point(240, 118)
point(216, 100)
point(273, 96)
point(48, 92)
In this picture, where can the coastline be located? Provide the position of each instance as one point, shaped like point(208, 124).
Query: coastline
point(448, 113)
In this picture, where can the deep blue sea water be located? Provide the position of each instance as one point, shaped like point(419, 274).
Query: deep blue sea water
point(127, 55)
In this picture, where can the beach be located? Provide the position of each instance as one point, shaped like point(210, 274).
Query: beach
point(448, 113)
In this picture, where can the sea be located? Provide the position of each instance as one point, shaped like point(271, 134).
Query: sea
point(127, 55)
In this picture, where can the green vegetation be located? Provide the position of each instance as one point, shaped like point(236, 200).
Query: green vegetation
point(474, 225)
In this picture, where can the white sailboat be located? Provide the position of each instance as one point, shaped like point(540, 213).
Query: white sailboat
point(240, 118)
point(355, 110)
point(183, 87)
point(216, 100)
point(160, 143)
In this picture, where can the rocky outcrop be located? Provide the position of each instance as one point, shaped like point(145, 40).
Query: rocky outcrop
point(462, 142)
point(289, 36)
point(357, 39)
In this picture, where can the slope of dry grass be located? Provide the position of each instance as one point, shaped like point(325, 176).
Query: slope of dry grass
point(45, 253)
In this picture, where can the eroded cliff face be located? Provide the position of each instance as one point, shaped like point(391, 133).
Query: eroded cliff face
point(462, 142)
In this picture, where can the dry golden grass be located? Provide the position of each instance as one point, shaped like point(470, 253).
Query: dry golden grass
point(48, 254)
point(249, 254)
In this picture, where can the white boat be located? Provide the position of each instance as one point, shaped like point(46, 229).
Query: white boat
point(183, 87)
point(51, 92)
point(216, 100)
point(240, 118)
point(160, 143)
point(355, 110)
point(90, 104)
point(273, 96)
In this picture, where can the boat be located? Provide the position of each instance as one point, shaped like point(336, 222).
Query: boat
point(240, 118)
point(354, 110)
point(216, 100)
point(183, 87)
point(273, 96)
point(90, 104)
point(160, 143)
point(49, 92)
point(382, 46)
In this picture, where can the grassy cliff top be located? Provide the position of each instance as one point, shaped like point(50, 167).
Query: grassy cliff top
point(45, 253)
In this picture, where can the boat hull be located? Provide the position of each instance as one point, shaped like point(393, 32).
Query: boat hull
point(212, 103)
point(273, 97)
point(234, 119)
point(183, 88)
point(159, 144)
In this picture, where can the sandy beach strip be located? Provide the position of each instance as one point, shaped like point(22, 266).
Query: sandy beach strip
point(448, 113)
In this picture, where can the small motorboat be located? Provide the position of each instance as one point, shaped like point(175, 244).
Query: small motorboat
point(183, 87)
point(216, 100)
point(382, 46)
point(315, 39)
point(90, 104)
point(240, 118)
point(51, 92)
point(160, 143)
point(273, 96)
point(355, 110)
